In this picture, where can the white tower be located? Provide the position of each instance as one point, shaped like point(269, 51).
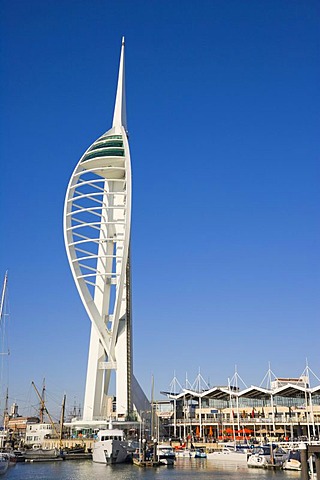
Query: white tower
point(97, 217)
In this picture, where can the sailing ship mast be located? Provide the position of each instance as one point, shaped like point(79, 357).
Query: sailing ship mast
point(44, 409)
point(62, 420)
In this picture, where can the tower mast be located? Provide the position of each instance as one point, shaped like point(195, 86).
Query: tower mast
point(97, 225)
point(97, 221)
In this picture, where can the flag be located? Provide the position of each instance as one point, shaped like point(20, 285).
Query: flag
point(252, 413)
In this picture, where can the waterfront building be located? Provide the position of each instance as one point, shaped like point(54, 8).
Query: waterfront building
point(97, 223)
point(286, 410)
point(36, 433)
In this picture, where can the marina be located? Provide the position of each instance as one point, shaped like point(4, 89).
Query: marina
point(220, 428)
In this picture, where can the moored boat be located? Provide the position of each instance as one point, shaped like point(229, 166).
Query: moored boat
point(139, 462)
point(267, 456)
point(293, 462)
point(183, 453)
point(41, 454)
point(110, 447)
point(230, 454)
point(190, 453)
point(200, 453)
point(165, 454)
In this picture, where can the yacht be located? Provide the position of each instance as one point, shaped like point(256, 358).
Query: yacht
point(293, 462)
point(165, 454)
point(232, 454)
point(266, 455)
point(110, 447)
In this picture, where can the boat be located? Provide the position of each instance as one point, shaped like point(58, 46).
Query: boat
point(37, 454)
point(183, 452)
point(4, 463)
point(165, 454)
point(139, 462)
point(232, 454)
point(110, 447)
point(293, 462)
point(199, 453)
point(190, 453)
point(267, 456)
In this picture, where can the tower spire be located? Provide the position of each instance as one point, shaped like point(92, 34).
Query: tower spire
point(120, 114)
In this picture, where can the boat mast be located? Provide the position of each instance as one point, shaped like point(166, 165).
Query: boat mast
point(62, 420)
point(2, 352)
point(152, 409)
point(44, 409)
point(42, 402)
point(2, 313)
point(4, 289)
point(231, 413)
point(6, 410)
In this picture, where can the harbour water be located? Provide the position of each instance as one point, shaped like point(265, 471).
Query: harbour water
point(184, 469)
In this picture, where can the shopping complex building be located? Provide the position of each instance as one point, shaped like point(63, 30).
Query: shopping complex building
point(287, 409)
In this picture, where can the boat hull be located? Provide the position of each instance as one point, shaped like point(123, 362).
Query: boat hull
point(292, 464)
point(265, 461)
point(41, 453)
point(110, 452)
point(222, 456)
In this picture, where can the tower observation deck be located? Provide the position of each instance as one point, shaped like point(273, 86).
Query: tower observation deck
point(97, 220)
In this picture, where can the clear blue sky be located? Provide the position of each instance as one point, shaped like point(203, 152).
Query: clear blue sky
point(223, 113)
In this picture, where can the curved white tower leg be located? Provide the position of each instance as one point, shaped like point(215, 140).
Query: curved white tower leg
point(97, 218)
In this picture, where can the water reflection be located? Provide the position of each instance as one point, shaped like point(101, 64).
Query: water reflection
point(184, 469)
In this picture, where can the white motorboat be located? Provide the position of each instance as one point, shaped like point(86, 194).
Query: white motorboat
point(293, 461)
point(191, 453)
point(183, 453)
point(4, 463)
point(230, 454)
point(265, 455)
point(110, 447)
point(165, 454)
point(199, 453)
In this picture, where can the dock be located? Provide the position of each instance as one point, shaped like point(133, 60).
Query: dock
point(77, 456)
point(306, 450)
point(146, 463)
